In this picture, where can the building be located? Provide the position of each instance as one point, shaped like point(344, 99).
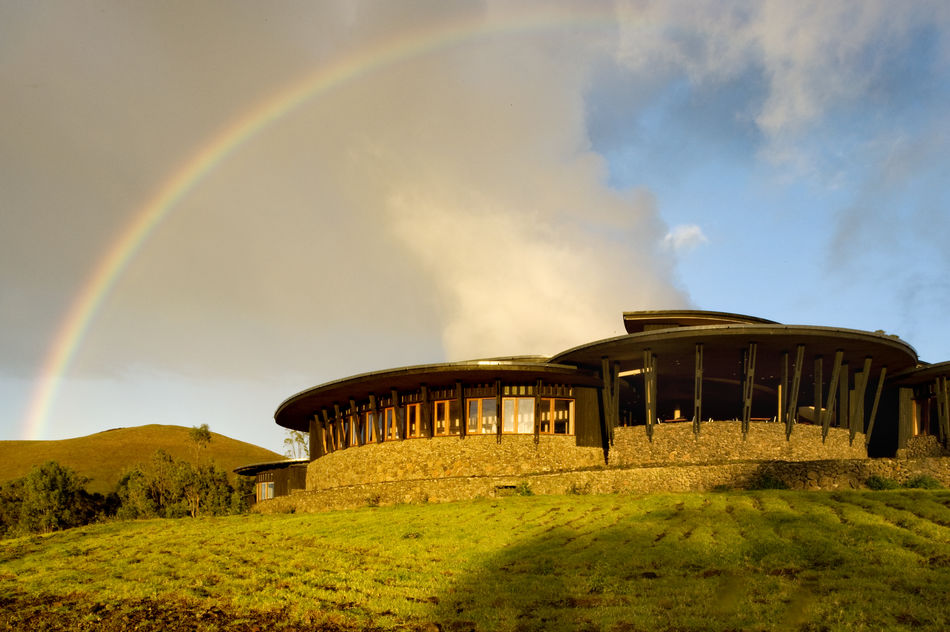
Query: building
point(680, 387)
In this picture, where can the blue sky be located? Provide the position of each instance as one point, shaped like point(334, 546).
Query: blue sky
point(508, 191)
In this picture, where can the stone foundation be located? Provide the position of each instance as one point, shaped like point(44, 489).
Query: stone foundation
point(718, 441)
point(807, 475)
point(445, 469)
point(921, 446)
point(449, 457)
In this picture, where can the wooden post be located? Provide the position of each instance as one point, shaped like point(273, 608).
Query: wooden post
point(327, 431)
point(748, 385)
point(316, 450)
point(844, 404)
point(832, 391)
point(340, 430)
point(877, 399)
point(649, 389)
point(537, 413)
point(356, 424)
point(698, 389)
point(399, 415)
point(463, 418)
point(905, 415)
point(943, 409)
point(499, 417)
point(378, 424)
point(426, 416)
point(792, 415)
point(857, 399)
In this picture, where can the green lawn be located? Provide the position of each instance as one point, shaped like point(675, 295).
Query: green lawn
point(774, 560)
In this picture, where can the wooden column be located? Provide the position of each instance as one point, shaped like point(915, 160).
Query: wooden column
point(844, 403)
point(905, 416)
point(943, 408)
point(857, 399)
point(399, 415)
point(609, 372)
point(877, 399)
point(463, 414)
point(499, 417)
point(537, 413)
point(748, 385)
point(426, 416)
point(341, 441)
point(649, 390)
point(832, 392)
point(356, 424)
point(316, 447)
point(698, 390)
point(792, 414)
point(327, 430)
point(378, 424)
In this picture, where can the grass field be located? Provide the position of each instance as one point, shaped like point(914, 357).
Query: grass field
point(770, 560)
point(103, 457)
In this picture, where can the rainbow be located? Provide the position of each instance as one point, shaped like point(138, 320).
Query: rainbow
point(130, 240)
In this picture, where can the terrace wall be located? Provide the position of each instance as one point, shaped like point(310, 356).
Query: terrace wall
point(718, 441)
point(810, 475)
point(447, 457)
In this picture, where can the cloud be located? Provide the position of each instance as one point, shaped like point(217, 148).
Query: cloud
point(684, 238)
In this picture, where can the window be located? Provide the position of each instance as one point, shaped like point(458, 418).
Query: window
point(389, 417)
point(482, 416)
point(265, 491)
point(446, 417)
point(517, 415)
point(556, 416)
point(369, 427)
point(413, 420)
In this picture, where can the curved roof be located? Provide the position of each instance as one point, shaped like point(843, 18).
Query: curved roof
point(636, 322)
point(297, 410)
point(254, 468)
point(921, 374)
point(723, 345)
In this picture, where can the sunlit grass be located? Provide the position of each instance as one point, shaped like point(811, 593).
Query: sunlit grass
point(736, 560)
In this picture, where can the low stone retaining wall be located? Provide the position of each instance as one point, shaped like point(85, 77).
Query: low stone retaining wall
point(718, 441)
point(812, 475)
point(449, 457)
point(921, 446)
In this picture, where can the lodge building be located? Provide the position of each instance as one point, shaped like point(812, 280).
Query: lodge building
point(620, 401)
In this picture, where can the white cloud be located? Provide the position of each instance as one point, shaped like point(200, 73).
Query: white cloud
point(684, 238)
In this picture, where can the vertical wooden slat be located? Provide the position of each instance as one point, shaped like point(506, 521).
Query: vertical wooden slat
point(748, 385)
point(537, 413)
point(792, 415)
point(356, 424)
point(819, 388)
point(399, 415)
point(783, 391)
point(338, 428)
point(877, 400)
point(832, 392)
point(499, 419)
point(463, 418)
point(426, 416)
point(698, 389)
point(844, 403)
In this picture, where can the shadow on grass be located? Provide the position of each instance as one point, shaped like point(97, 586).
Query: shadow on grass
point(768, 569)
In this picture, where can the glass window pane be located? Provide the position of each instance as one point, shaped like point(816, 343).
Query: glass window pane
point(440, 421)
point(454, 421)
point(508, 414)
point(489, 415)
point(473, 415)
point(562, 416)
point(525, 415)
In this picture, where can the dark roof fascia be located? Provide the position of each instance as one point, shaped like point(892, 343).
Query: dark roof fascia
point(254, 468)
point(920, 374)
point(530, 365)
point(720, 331)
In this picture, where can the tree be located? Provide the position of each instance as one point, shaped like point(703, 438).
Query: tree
point(200, 437)
point(53, 497)
point(297, 444)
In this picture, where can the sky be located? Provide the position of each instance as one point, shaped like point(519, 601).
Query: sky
point(208, 207)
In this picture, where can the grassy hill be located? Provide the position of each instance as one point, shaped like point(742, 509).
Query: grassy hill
point(765, 560)
point(102, 457)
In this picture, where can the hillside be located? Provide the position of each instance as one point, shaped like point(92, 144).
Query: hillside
point(770, 560)
point(104, 456)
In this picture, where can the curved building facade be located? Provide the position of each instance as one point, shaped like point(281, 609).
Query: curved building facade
point(679, 387)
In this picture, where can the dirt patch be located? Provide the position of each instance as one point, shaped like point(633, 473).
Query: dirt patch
point(61, 614)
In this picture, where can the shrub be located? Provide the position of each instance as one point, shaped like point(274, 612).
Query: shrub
point(767, 481)
point(524, 489)
point(922, 481)
point(880, 482)
point(373, 500)
point(579, 490)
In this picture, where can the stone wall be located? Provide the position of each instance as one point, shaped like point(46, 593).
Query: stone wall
point(921, 446)
point(810, 475)
point(719, 441)
point(449, 457)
